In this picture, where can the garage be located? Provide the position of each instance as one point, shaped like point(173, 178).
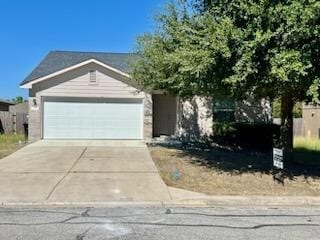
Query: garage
point(93, 119)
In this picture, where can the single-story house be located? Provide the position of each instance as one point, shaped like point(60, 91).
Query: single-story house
point(85, 95)
point(4, 105)
point(311, 120)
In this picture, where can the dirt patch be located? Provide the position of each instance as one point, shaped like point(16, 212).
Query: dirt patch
point(220, 172)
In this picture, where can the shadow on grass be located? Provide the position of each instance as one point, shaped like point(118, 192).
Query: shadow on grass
point(307, 157)
point(238, 161)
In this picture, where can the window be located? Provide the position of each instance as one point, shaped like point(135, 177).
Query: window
point(224, 110)
point(93, 76)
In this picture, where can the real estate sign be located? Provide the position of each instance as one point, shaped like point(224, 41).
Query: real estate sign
point(278, 158)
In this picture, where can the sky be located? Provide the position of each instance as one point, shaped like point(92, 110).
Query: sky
point(30, 29)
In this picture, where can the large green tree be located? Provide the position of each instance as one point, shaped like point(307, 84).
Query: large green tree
point(236, 48)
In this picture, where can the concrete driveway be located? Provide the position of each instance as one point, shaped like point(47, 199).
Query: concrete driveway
point(81, 172)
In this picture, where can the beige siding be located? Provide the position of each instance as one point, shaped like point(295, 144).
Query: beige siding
point(76, 84)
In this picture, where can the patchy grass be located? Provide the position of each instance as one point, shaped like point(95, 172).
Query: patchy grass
point(307, 151)
point(10, 143)
point(222, 172)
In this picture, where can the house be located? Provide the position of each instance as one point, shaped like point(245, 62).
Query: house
point(311, 120)
point(85, 95)
point(4, 105)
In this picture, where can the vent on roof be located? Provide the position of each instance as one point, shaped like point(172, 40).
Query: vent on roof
point(93, 76)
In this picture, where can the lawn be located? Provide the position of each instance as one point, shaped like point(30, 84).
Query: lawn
point(226, 172)
point(307, 151)
point(10, 143)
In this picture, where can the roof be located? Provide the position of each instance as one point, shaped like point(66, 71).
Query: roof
point(59, 60)
point(6, 102)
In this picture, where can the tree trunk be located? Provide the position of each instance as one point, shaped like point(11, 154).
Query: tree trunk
point(286, 137)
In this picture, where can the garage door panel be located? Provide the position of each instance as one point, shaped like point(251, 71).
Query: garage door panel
point(80, 120)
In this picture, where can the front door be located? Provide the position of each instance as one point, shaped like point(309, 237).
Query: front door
point(164, 115)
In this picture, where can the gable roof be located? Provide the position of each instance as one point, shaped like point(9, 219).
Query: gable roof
point(58, 60)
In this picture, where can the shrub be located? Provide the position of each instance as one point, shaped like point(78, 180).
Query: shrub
point(247, 135)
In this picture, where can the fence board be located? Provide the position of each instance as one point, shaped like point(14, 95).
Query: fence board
point(11, 123)
point(297, 126)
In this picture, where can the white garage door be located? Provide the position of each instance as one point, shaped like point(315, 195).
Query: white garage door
point(122, 119)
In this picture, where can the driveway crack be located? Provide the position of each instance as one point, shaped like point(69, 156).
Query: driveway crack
point(67, 173)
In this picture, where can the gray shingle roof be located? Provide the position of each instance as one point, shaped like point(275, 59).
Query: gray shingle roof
point(58, 60)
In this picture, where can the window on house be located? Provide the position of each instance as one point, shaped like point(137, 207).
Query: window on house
point(224, 110)
point(93, 76)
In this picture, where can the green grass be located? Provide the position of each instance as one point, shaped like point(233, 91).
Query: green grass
point(307, 151)
point(6, 139)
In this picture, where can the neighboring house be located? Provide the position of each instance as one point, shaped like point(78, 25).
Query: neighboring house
point(4, 105)
point(311, 120)
point(82, 95)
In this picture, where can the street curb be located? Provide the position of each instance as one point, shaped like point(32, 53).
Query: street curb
point(210, 201)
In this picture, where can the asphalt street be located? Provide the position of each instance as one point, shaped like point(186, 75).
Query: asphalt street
point(159, 223)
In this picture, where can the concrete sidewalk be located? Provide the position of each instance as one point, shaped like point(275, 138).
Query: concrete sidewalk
point(184, 198)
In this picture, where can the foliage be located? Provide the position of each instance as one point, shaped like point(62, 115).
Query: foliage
point(246, 135)
point(239, 47)
point(18, 100)
point(223, 129)
point(236, 48)
point(276, 109)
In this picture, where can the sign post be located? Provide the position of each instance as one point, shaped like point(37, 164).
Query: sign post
point(278, 158)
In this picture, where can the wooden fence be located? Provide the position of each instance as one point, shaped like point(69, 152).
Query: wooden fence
point(12, 123)
point(297, 126)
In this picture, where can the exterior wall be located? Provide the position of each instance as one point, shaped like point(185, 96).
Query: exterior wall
point(34, 120)
point(196, 116)
point(148, 111)
point(76, 84)
point(311, 121)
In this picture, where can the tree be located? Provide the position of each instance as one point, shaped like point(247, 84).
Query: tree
point(276, 109)
point(237, 48)
point(18, 100)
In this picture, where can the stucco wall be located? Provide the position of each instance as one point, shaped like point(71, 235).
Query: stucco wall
point(196, 117)
point(76, 84)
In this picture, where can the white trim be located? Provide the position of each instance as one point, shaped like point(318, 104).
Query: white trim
point(29, 85)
